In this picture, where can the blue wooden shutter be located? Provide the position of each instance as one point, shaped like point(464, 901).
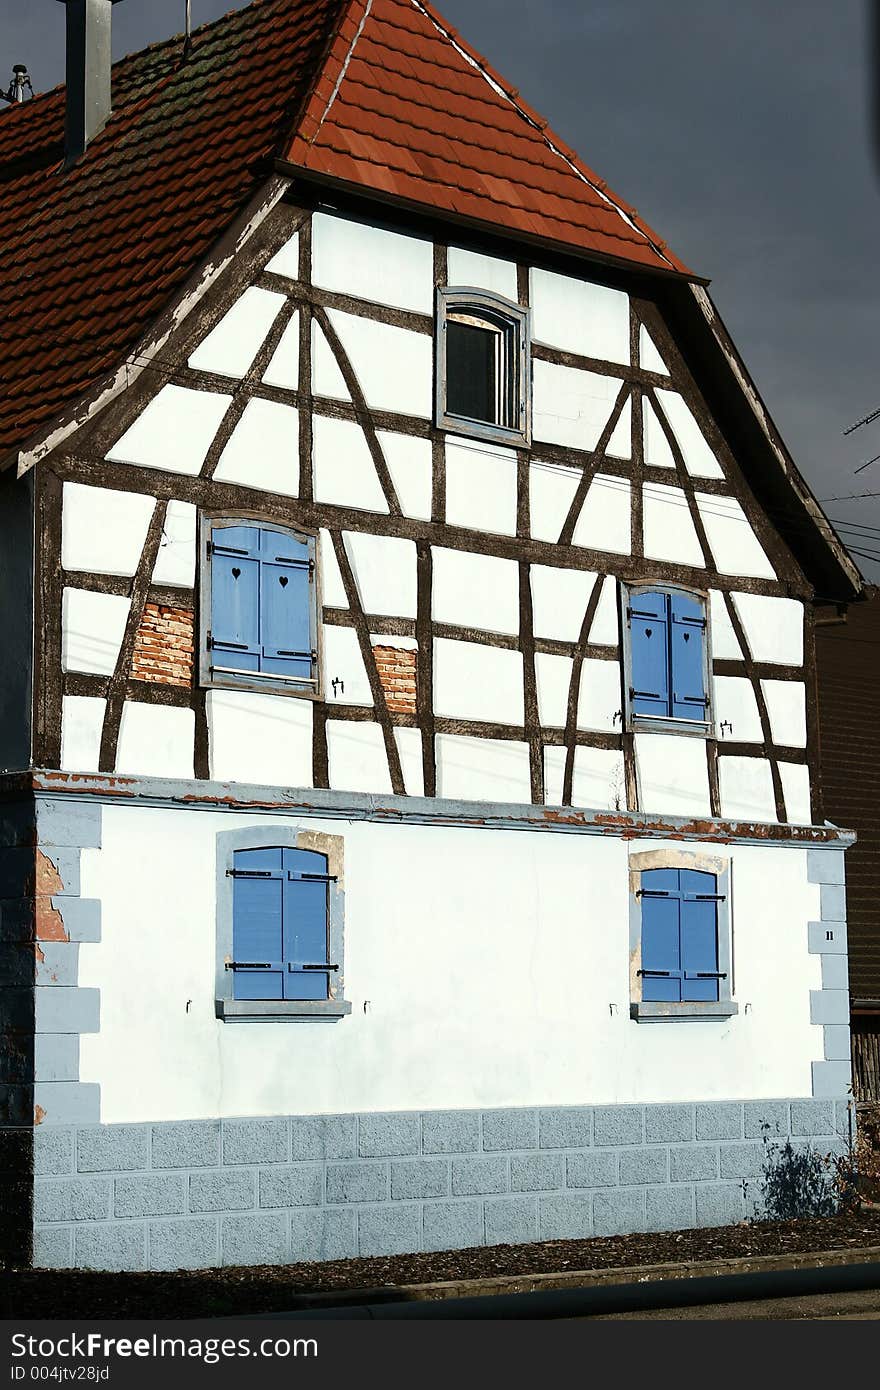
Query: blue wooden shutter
point(649, 646)
point(257, 947)
point(286, 585)
point(688, 645)
point(235, 597)
point(661, 951)
point(306, 924)
point(699, 935)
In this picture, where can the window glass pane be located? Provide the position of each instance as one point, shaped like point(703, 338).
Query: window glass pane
point(471, 371)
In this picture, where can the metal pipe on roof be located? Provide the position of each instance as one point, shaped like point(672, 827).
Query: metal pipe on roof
point(89, 60)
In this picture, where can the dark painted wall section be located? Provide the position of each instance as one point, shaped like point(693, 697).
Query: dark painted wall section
point(17, 1022)
point(16, 619)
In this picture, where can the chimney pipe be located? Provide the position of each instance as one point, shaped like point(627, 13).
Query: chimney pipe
point(89, 59)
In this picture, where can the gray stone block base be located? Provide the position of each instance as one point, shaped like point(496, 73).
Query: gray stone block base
point(300, 1188)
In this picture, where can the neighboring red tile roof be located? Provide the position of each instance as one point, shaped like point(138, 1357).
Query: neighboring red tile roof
point(405, 107)
point(377, 93)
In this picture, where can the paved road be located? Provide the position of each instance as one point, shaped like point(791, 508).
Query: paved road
point(824, 1307)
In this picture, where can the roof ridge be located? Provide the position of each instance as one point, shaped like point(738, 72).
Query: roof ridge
point(344, 34)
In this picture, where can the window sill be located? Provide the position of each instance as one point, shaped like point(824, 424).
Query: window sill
point(691, 728)
point(279, 1010)
point(659, 1012)
point(484, 430)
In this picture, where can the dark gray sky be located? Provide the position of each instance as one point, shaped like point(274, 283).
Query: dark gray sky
point(740, 131)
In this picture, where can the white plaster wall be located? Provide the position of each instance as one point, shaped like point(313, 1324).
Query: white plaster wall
point(409, 747)
point(82, 719)
point(786, 706)
point(283, 368)
point(174, 432)
point(597, 781)
point(263, 451)
point(343, 662)
point(92, 628)
point(723, 638)
point(259, 738)
point(176, 557)
point(570, 406)
point(606, 620)
point(605, 521)
point(233, 343)
point(409, 463)
point(600, 700)
point(453, 943)
point(620, 440)
point(746, 787)
point(357, 756)
point(735, 704)
point(559, 601)
point(733, 543)
point(580, 317)
point(103, 531)
point(327, 379)
point(286, 261)
point(553, 680)
point(668, 529)
point(385, 573)
point(155, 741)
point(372, 263)
point(481, 486)
point(477, 591)
point(394, 366)
point(333, 593)
point(796, 790)
point(469, 268)
point(649, 357)
point(476, 682)
point(551, 492)
point(482, 769)
point(344, 472)
point(656, 445)
point(673, 774)
point(774, 627)
point(699, 459)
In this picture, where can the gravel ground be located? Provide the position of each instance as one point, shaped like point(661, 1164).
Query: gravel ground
point(78, 1294)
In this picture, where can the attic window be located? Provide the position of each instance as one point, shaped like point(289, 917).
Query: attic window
point(482, 366)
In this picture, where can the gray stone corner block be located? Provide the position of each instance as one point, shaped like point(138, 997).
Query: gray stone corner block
point(150, 1194)
point(325, 1234)
point(191, 1144)
point(669, 1124)
point(565, 1127)
point(56, 1057)
point(591, 1170)
point(258, 1238)
point(112, 1148)
point(66, 861)
point(566, 1217)
point(57, 963)
point(450, 1131)
point(539, 1172)
point(299, 1186)
point(832, 899)
point(618, 1213)
point(392, 1229)
point(829, 1006)
point(388, 1136)
point(719, 1120)
point(510, 1220)
point(412, 1178)
point(357, 1182)
point(67, 1010)
point(618, 1124)
point(53, 1247)
point(835, 974)
point(256, 1141)
point(826, 866)
point(510, 1129)
point(452, 1225)
point(770, 1117)
point(478, 1173)
point(640, 1166)
point(81, 918)
point(71, 1199)
point(63, 821)
point(186, 1244)
point(323, 1136)
point(67, 1102)
point(826, 938)
point(53, 1151)
point(741, 1160)
point(669, 1208)
point(231, 1190)
point(837, 1046)
point(831, 1079)
point(115, 1245)
point(809, 1117)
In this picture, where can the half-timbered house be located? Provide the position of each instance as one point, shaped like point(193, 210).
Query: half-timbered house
point(412, 828)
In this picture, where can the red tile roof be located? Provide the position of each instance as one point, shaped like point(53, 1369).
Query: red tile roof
point(380, 94)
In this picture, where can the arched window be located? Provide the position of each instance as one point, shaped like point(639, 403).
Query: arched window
point(482, 365)
point(258, 606)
